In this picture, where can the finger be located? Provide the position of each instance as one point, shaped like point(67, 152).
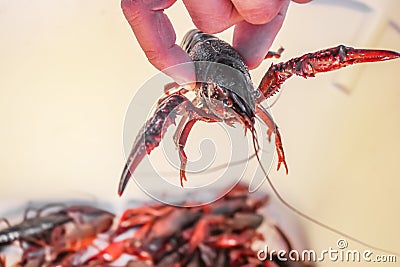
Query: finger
point(253, 41)
point(156, 37)
point(301, 1)
point(258, 11)
point(212, 16)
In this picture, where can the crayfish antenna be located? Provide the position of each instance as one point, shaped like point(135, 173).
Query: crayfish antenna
point(302, 214)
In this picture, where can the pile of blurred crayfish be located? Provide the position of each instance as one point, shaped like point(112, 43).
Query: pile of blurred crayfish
point(217, 234)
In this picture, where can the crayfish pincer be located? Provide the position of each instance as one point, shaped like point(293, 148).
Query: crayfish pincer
point(219, 98)
point(56, 234)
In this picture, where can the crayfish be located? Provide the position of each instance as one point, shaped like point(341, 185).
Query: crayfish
point(221, 233)
point(226, 232)
point(221, 98)
point(55, 235)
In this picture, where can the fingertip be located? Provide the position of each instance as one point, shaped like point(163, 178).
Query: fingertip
point(253, 41)
point(253, 64)
point(302, 1)
point(212, 16)
point(258, 12)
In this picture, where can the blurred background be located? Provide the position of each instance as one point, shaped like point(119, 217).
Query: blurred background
point(69, 69)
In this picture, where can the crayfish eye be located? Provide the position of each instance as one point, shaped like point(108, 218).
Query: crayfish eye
point(228, 103)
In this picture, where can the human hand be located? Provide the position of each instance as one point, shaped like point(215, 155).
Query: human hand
point(257, 22)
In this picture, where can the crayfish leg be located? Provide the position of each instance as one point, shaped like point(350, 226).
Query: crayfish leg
point(169, 89)
point(272, 54)
point(179, 129)
point(184, 136)
point(181, 143)
point(183, 122)
point(202, 230)
point(5, 221)
point(263, 114)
